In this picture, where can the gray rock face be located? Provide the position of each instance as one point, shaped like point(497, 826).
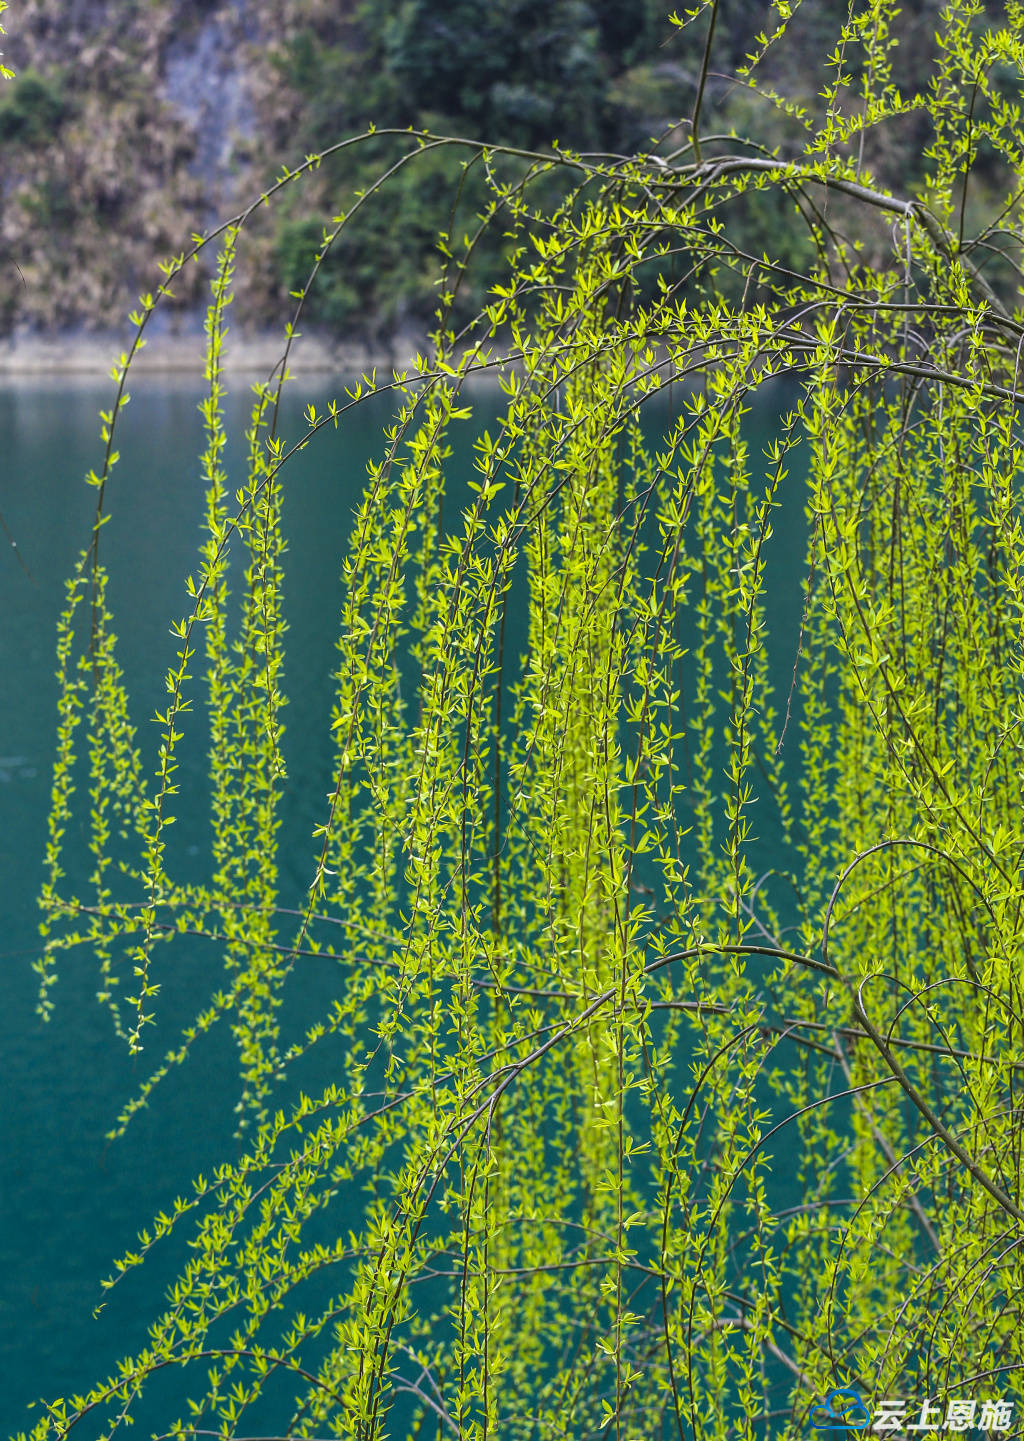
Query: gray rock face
point(164, 110)
point(205, 77)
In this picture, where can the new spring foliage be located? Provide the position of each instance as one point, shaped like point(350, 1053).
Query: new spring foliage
point(583, 1031)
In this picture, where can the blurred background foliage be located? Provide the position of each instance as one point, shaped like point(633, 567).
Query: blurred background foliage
point(133, 124)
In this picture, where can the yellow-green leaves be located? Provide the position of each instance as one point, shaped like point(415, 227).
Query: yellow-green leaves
point(634, 915)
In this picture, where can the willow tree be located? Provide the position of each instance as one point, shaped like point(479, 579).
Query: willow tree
point(583, 1037)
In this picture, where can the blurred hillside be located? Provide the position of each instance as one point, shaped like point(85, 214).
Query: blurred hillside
point(133, 123)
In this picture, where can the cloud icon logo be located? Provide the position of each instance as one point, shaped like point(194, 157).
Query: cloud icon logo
point(839, 1410)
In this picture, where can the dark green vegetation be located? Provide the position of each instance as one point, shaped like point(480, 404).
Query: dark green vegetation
point(32, 111)
point(581, 1043)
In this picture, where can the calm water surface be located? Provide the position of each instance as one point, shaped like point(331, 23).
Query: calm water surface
point(70, 1202)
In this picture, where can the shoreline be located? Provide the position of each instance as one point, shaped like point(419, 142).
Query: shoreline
point(90, 355)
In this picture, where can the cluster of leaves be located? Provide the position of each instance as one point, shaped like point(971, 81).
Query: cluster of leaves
point(536, 1198)
point(6, 73)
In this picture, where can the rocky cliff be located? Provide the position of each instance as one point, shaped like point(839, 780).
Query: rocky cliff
point(131, 124)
